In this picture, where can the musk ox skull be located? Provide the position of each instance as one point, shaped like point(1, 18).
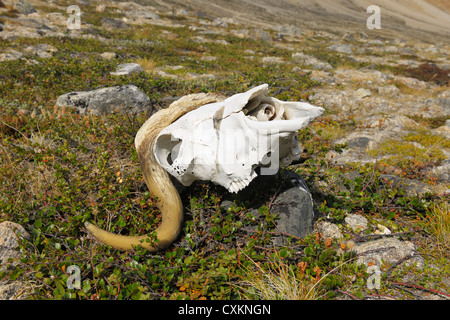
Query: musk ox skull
point(207, 137)
point(224, 142)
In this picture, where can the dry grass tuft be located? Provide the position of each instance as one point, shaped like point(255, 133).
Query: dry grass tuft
point(149, 65)
point(277, 282)
point(438, 222)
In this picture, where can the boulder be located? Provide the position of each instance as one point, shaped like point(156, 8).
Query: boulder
point(16, 290)
point(123, 99)
point(341, 48)
point(108, 55)
point(126, 69)
point(294, 207)
point(411, 187)
point(24, 7)
point(254, 34)
point(43, 51)
point(356, 222)
point(329, 230)
point(389, 251)
point(288, 30)
point(113, 24)
point(311, 61)
point(10, 55)
point(10, 233)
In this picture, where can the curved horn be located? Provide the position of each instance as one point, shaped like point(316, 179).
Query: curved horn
point(157, 179)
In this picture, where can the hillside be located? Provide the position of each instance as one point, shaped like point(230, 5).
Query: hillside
point(424, 20)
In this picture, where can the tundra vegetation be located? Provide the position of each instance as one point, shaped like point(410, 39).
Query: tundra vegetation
point(59, 169)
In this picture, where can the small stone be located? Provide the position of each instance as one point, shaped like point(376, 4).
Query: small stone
point(16, 290)
point(361, 36)
point(341, 48)
point(219, 22)
point(43, 51)
point(10, 55)
point(388, 90)
point(110, 23)
point(329, 230)
point(181, 12)
point(10, 234)
point(255, 34)
point(356, 222)
point(100, 8)
point(126, 69)
point(289, 30)
point(412, 187)
point(24, 7)
point(311, 61)
point(382, 230)
point(226, 204)
point(389, 251)
point(272, 60)
point(362, 93)
point(108, 55)
point(124, 99)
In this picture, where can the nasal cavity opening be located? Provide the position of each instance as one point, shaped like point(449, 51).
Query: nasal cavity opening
point(171, 156)
point(167, 149)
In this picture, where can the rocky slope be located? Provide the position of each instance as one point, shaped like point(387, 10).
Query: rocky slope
point(417, 19)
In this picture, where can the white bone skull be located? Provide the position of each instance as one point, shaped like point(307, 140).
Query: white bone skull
point(224, 142)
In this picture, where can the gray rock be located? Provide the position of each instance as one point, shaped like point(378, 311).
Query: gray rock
point(126, 69)
point(108, 55)
point(181, 12)
point(311, 61)
point(44, 51)
point(289, 30)
point(226, 204)
point(24, 7)
point(362, 93)
point(272, 60)
point(254, 34)
point(110, 23)
point(10, 233)
point(411, 82)
point(219, 22)
point(356, 222)
point(83, 2)
point(375, 42)
point(359, 143)
point(124, 99)
point(388, 250)
point(410, 186)
point(10, 55)
point(341, 48)
point(361, 36)
point(329, 230)
point(389, 90)
point(294, 207)
point(14, 291)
